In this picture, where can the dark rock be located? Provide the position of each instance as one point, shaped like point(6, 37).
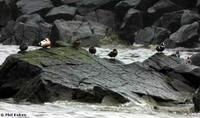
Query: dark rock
point(36, 6)
point(66, 74)
point(7, 33)
point(133, 21)
point(186, 36)
point(86, 6)
point(62, 12)
point(70, 1)
point(161, 7)
point(195, 59)
point(196, 100)
point(101, 16)
point(185, 3)
point(138, 4)
point(29, 29)
point(5, 13)
point(151, 35)
point(174, 20)
point(166, 64)
point(89, 33)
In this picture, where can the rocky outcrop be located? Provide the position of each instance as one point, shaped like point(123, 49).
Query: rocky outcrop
point(152, 35)
point(5, 13)
point(36, 6)
point(186, 36)
point(62, 12)
point(89, 33)
point(65, 73)
point(28, 28)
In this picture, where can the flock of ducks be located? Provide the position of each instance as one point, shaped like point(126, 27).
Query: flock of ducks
point(46, 43)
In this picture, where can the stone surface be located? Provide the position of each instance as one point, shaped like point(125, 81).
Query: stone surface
point(62, 12)
point(64, 73)
point(89, 33)
point(34, 6)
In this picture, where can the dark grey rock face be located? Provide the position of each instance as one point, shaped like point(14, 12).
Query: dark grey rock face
point(186, 36)
point(29, 29)
point(66, 73)
point(195, 59)
point(34, 6)
point(62, 12)
point(5, 13)
point(151, 35)
point(133, 21)
point(88, 32)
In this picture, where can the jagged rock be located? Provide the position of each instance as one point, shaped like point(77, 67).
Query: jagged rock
point(64, 73)
point(133, 21)
point(5, 13)
point(196, 100)
point(86, 6)
point(161, 7)
point(174, 20)
point(62, 12)
point(151, 35)
point(195, 59)
point(88, 32)
point(138, 4)
point(166, 64)
point(28, 28)
point(101, 16)
point(186, 36)
point(34, 6)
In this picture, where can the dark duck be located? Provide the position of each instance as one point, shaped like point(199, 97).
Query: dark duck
point(23, 47)
point(92, 50)
point(161, 47)
point(113, 53)
point(76, 44)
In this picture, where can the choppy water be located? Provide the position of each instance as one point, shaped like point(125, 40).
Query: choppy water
point(66, 109)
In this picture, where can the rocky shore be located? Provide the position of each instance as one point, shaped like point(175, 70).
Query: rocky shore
point(63, 73)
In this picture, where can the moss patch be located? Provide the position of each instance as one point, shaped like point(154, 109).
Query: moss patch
point(53, 56)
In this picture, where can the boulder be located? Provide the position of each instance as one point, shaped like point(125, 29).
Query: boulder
point(138, 4)
point(186, 36)
point(85, 6)
point(161, 7)
point(27, 28)
point(89, 33)
point(195, 59)
point(62, 12)
point(167, 64)
point(34, 6)
point(105, 17)
point(174, 20)
point(5, 13)
point(64, 73)
point(133, 21)
point(151, 35)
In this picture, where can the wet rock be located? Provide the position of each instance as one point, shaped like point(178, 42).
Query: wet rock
point(138, 4)
point(195, 59)
point(5, 13)
point(133, 21)
point(36, 6)
point(151, 35)
point(63, 73)
point(186, 36)
point(174, 20)
point(28, 28)
point(70, 1)
point(196, 100)
point(161, 7)
point(185, 3)
point(105, 17)
point(62, 12)
point(89, 33)
point(86, 6)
